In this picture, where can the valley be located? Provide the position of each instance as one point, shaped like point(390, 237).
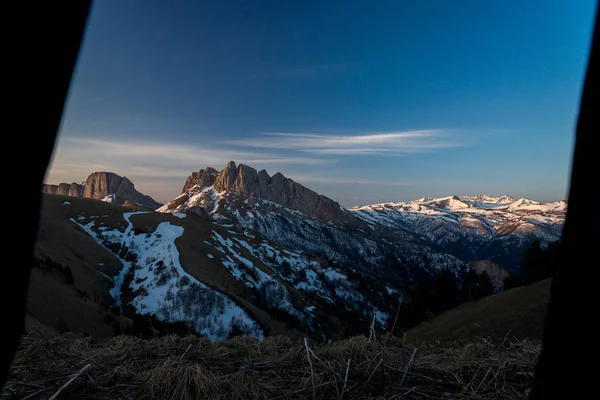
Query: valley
point(243, 252)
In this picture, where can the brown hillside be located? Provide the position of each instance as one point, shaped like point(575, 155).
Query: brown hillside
point(83, 306)
point(193, 252)
point(53, 305)
point(518, 312)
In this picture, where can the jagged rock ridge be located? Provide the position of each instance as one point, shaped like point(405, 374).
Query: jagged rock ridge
point(284, 211)
point(202, 178)
point(64, 189)
point(474, 228)
point(249, 183)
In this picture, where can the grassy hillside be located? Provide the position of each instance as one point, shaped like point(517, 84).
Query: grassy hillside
point(480, 350)
point(82, 304)
point(484, 353)
point(55, 306)
point(518, 312)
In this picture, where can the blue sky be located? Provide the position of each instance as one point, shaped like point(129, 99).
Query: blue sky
point(363, 101)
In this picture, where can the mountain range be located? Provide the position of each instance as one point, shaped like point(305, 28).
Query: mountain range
point(242, 251)
point(474, 228)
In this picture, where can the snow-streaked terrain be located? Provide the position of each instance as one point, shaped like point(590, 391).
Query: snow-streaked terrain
point(288, 258)
point(471, 227)
point(163, 288)
point(154, 282)
point(329, 283)
point(414, 238)
point(326, 285)
point(353, 242)
point(453, 218)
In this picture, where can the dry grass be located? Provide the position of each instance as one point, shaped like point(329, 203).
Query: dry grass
point(182, 368)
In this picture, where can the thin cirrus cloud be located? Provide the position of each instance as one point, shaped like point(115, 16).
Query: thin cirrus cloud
point(159, 167)
point(366, 144)
point(157, 157)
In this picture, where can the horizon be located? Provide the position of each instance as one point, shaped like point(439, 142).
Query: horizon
point(362, 103)
point(291, 177)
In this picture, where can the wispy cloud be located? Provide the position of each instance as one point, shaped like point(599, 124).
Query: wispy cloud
point(159, 168)
point(151, 157)
point(372, 143)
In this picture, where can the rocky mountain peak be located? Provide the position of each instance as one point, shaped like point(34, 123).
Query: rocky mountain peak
point(247, 182)
point(225, 180)
point(103, 185)
point(202, 178)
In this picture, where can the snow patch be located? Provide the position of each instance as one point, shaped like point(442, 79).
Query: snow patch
point(164, 289)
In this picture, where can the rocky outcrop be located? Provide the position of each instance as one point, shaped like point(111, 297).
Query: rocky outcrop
point(247, 182)
point(50, 189)
point(64, 189)
point(496, 272)
point(99, 185)
point(204, 177)
point(73, 189)
point(199, 211)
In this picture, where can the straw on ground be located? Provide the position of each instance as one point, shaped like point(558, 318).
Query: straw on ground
point(186, 368)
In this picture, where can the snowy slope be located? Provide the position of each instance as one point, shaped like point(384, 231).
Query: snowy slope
point(284, 283)
point(162, 286)
point(401, 242)
point(472, 228)
point(401, 257)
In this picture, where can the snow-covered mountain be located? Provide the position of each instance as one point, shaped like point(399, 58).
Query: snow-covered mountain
point(281, 210)
point(240, 251)
point(399, 241)
point(472, 228)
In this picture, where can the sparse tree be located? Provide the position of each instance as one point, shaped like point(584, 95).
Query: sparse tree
point(484, 287)
point(476, 285)
point(538, 262)
point(285, 268)
point(116, 328)
point(445, 292)
point(511, 281)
